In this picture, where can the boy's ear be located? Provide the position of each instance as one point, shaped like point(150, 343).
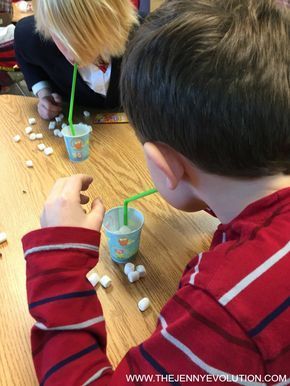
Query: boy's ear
point(167, 161)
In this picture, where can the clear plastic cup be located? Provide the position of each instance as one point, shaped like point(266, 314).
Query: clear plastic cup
point(123, 243)
point(78, 146)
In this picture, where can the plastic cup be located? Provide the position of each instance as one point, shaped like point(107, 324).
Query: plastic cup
point(123, 246)
point(77, 146)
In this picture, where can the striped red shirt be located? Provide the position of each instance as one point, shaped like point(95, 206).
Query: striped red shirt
point(228, 321)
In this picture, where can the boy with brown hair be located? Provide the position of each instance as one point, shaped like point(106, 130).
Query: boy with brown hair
point(206, 86)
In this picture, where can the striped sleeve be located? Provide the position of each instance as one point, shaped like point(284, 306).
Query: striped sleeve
point(69, 336)
point(197, 337)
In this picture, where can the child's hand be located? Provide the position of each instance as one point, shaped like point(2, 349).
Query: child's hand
point(49, 105)
point(63, 205)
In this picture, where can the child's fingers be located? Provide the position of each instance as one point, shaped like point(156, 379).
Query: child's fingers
point(76, 184)
point(48, 105)
point(57, 188)
point(57, 98)
point(46, 114)
point(97, 213)
point(70, 188)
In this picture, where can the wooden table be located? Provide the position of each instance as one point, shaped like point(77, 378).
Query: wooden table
point(17, 15)
point(116, 162)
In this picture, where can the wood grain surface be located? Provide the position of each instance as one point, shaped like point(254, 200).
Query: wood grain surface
point(169, 238)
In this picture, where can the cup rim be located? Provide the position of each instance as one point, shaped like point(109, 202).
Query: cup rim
point(129, 208)
point(77, 136)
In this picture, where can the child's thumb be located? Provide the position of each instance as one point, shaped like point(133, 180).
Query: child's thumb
point(57, 98)
point(97, 213)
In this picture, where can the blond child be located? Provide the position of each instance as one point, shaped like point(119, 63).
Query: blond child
point(91, 33)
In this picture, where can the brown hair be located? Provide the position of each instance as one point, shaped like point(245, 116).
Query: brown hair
point(211, 79)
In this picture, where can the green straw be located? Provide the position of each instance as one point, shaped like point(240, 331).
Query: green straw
point(133, 198)
point(72, 100)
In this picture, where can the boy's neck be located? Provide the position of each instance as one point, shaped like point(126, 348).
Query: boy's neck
point(227, 197)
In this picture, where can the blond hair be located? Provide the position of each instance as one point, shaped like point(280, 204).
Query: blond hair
point(89, 28)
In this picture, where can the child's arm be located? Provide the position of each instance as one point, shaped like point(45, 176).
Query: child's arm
point(28, 46)
point(68, 339)
point(195, 336)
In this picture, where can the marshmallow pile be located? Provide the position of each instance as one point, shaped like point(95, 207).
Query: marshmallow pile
point(53, 125)
point(133, 273)
point(94, 279)
point(36, 136)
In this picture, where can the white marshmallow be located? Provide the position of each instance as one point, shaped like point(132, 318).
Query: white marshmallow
point(58, 119)
point(141, 269)
point(61, 116)
point(32, 136)
point(28, 130)
point(60, 135)
point(133, 276)
point(29, 163)
point(87, 114)
point(56, 132)
point(3, 237)
point(39, 136)
point(41, 146)
point(129, 267)
point(143, 304)
point(32, 121)
point(51, 125)
point(48, 150)
point(94, 279)
point(16, 138)
point(123, 230)
point(63, 125)
point(105, 281)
